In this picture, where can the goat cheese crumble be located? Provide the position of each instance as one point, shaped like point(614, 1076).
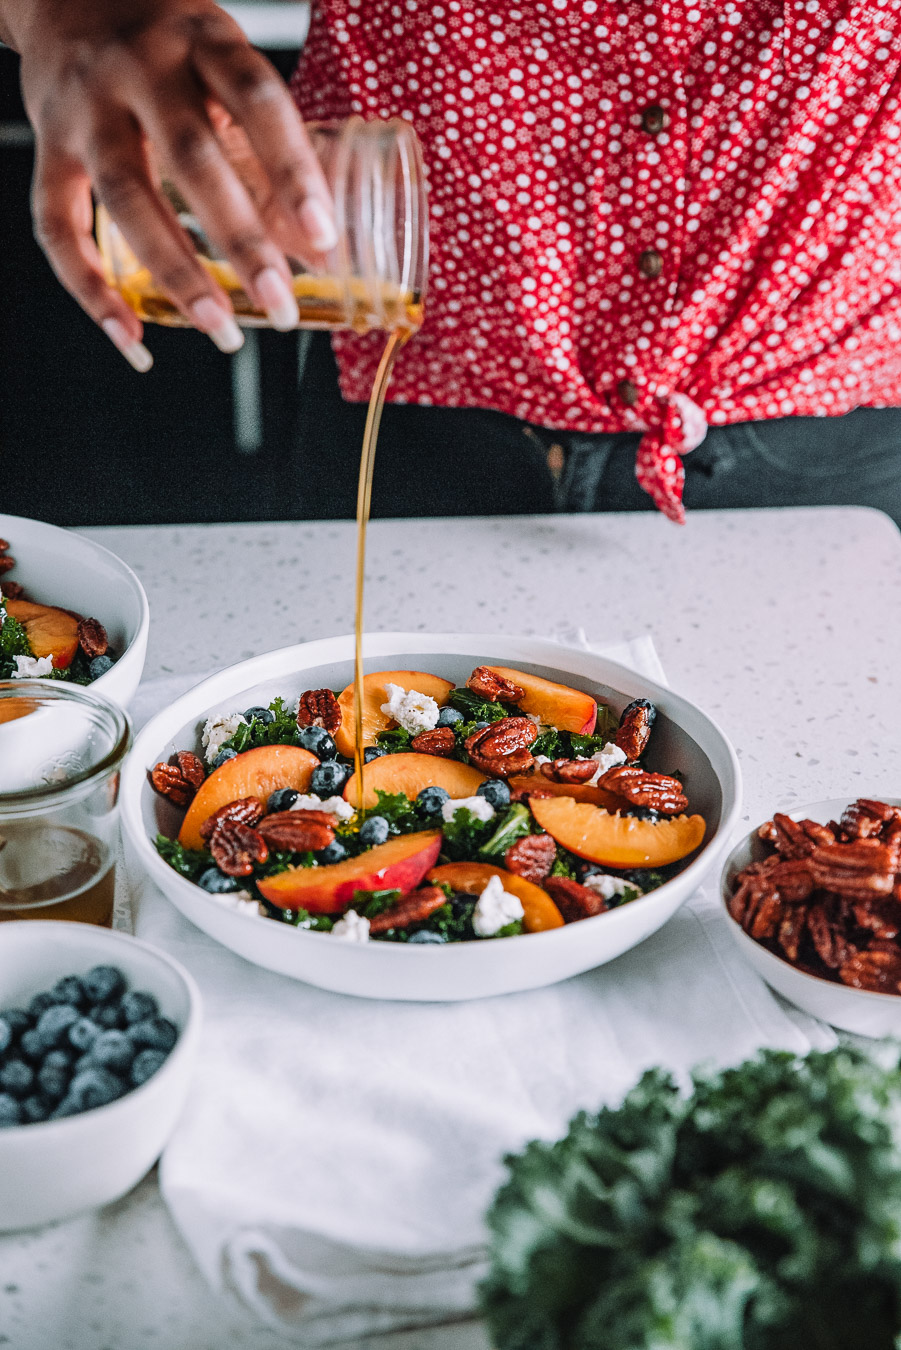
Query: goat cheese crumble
point(495, 908)
point(352, 927)
point(480, 807)
point(411, 710)
point(606, 886)
point(608, 758)
point(32, 667)
point(217, 731)
point(335, 806)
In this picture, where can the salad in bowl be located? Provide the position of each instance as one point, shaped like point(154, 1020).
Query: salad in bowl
point(516, 797)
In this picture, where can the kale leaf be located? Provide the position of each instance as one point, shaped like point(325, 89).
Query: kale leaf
point(464, 834)
point(13, 642)
point(395, 742)
point(187, 862)
point(515, 823)
point(762, 1211)
point(474, 708)
point(282, 731)
point(399, 811)
point(371, 903)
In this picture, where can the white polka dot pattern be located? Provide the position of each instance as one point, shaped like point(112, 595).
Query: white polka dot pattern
point(645, 216)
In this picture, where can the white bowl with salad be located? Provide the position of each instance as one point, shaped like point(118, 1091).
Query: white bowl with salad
point(69, 609)
point(528, 812)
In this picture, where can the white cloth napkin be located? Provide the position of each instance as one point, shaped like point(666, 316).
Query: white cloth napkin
point(337, 1155)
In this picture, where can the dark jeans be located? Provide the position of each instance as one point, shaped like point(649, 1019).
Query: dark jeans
point(471, 461)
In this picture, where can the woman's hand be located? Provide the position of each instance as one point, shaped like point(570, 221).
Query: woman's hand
point(101, 79)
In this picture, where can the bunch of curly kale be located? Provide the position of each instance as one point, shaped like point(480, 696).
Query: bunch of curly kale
point(761, 1212)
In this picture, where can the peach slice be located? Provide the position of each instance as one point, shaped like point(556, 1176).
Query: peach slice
point(374, 695)
point(471, 878)
point(580, 792)
point(614, 840)
point(51, 632)
point(409, 774)
point(398, 865)
point(254, 773)
point(556, 704)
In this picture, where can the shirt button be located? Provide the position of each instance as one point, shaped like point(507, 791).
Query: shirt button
point(653, 119)
point(628, 392)
point(650, 263)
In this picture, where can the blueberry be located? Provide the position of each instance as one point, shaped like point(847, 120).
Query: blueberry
point(587, 869)
point(495, 791)
point(93, 1087)
point(216, 882)
point(59, 1059)
point(53, 1025)
point(99, 666)
point(328, 779)
point(112, 1050)
point(83, 1033)
point(10, 1111)
point(69, 990)
point(375, 830)
point(373, 752)
point(107, 1015)
point(31, 1047)
point(282, 799)
point(481, 725)
point(154, 1033)
point(258, 714)
point(644, 813)
point(136, 1006)
point(34, 1110)
point(53, 1082)
point(424, 936)
point(16, 1078)
point(448, 717)
point(318, 741)
point(39, 1004)
point(146, 1065)
point(17, 1019)
point(6, 1035)
point(431, 799)
point(103, 983)
point(644, 703)
point(332, 853)
point(222, 757)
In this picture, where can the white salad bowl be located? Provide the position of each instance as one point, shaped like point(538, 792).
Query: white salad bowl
point(684, 739)
point(857, 1010)
point(59, 1168)
point(59, 567)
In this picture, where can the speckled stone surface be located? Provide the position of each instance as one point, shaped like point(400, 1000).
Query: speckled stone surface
point(784, 625)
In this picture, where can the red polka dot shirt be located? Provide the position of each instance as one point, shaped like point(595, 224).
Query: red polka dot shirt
point(646, 215)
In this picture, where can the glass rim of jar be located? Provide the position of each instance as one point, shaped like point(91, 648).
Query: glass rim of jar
point(36, 800)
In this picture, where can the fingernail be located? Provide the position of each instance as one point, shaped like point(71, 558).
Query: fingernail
point(135, 353)
point(217, 324)
point(318, 224)
point(277, 300)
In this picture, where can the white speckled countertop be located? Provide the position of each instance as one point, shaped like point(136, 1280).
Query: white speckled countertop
point(785, 625)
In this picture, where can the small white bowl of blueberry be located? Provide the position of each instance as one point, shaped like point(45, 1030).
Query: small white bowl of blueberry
point(98, 1032)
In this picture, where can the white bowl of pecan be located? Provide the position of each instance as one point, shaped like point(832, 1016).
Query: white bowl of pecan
point(813, 896)
point(78, 609)
point(480, 891)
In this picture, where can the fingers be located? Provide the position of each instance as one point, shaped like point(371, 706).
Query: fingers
point(118, 168)
point(63, 215)
point(179, 127)
point(259, 101)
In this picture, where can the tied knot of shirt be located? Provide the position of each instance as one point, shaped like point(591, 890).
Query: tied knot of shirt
point(678, 428)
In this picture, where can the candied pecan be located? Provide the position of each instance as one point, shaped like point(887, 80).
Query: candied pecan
point(531, 857)
point(179, 781)
point(319, 708)
point(12, 590)
point(750, 884)
point(881, 915)
point(236, 847)
point(791, 930)
point(574, 901)
point(795, 838)
point(92, 638)
point(858, 869)
point(655, 790)
point(570, 770)
point(878, 971)
point(4, 545)
point(793, 879)
point(501, 748)
point(6, 563)
point(827, 929)
point(411, 908)
point(298, 831)
point(635, 727)
point(440, 741)
point(866, 817)
point(490, 686)
point(249, 810)
point(768, 917)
